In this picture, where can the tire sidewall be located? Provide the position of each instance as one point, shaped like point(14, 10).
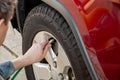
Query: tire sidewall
point(38, 22)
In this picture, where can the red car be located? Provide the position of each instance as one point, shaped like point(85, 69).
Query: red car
point(85, 34)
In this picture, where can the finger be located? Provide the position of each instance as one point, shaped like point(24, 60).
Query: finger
point(43, 44)
point(46, 48)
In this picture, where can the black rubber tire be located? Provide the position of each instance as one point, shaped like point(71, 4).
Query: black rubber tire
point(45, 18)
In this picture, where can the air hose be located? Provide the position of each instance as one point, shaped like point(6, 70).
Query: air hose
point(16, 73)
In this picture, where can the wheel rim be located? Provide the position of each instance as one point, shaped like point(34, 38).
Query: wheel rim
point(57, 65)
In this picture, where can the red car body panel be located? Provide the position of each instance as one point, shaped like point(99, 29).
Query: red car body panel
point(99, 24)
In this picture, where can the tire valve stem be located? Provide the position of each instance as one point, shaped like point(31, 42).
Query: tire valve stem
point(51, 40)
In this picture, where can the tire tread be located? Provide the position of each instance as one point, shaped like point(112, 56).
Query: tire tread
point(55, 18)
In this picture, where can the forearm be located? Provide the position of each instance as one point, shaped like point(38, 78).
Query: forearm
point(20, 62)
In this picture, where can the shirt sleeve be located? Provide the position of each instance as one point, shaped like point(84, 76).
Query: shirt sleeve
point(6, 69)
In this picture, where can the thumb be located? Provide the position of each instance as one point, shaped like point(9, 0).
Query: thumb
point(46, 49)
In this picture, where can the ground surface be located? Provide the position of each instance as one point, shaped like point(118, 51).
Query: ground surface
point(14, 42)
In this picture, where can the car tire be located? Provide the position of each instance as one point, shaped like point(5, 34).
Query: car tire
point(45, 18)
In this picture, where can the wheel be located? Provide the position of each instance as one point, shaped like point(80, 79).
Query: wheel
point(63, 60)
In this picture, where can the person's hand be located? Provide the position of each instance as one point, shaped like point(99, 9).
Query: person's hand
point(37, 52)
